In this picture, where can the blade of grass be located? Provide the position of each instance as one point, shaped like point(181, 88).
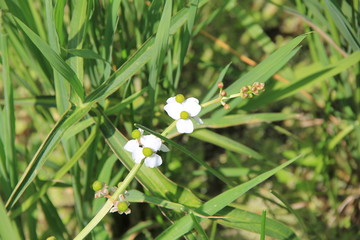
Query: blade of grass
point(7, 229)
point(320, 75)
point(185, 39)
point(343, 26)
point(69, 118)
point(9, 114)
point(61, 88)
point(54, 59)
point(225, 142)
point(135, 62)
point(215, 88)
point(58, 175)
point(240, 119)
point(263, 225)
point(211, 207)
point(159, 51)
point(261, 73)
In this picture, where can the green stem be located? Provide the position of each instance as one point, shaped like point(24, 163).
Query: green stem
point(210, 102)
point(109, 203)
point(168, 129)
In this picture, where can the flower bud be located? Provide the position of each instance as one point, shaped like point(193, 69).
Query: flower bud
point(244, 89)
point(122, 207)
point(244, 95)
point(226, 106)
point(97, 185)
point(220, 85)
point(223, 93)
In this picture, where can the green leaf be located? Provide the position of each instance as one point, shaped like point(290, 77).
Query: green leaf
point(70, 117)
point(343, 26)
point(225, 142)
point(320, 75)
point(7, 230)
point(54, 59)
point(8, 134)
point(159, 49)
point(213, 206)
point(240, 119)
point(134, 63)
point(261, 73)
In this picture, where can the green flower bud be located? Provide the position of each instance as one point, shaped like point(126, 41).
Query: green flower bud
point(119, 184)
point(147, 152)
point(179, 98)
point(122, 206)
point(136, 134)
point(184, 115)
point(97, 185)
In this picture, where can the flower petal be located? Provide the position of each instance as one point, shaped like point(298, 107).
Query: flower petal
point(138, 155)
point(174, 109)
point(131, 145)
point(164, 148)
point(151, 141)
point(191, 105)
point(171, 100)
point(153, 161)
point(184, 126)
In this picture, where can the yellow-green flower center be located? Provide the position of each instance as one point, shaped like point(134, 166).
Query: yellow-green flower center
point(122, 206)
point(136, 134)
point(147, 152)
point(97, 185)
point(179, 98)
point(184, 115)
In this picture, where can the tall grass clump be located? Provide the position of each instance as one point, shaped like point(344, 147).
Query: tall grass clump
point(162, 119)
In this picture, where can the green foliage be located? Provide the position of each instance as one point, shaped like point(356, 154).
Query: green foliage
point(77, 77)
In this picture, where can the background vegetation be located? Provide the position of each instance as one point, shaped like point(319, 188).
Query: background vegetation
point(76, 76)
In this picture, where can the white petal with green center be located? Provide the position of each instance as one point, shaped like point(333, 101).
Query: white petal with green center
point(153, 161)
point(191, 105)
point(184, 126)
point(151, 141)
point(174, 109)
point(138, 155)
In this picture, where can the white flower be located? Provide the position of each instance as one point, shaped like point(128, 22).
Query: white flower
point(121, 206)
point(181, 110)
point(145, 146)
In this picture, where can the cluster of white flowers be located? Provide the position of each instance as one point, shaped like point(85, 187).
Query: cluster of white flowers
point(146, 146)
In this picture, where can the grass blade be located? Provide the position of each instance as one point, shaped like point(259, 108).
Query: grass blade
point(54, 59)
point(9, 114)
point(7, 230)
point(69, 118)
point(211, 207)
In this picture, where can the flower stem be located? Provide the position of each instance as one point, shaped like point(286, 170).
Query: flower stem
point(210, 102)
point(109, 203)
point(168, 129)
